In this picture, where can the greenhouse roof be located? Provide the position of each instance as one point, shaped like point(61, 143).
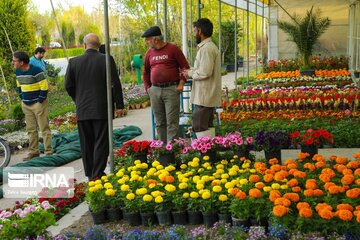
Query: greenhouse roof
point(242, 4)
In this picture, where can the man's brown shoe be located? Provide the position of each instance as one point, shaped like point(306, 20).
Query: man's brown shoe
point(48, 153)
point(31, 156)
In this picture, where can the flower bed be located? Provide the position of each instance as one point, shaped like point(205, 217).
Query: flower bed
point(294, 195)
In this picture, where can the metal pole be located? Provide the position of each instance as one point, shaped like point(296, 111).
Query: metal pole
point(243, 41)
point(256, 46)
point(247, 41)
point(191, 38)
point(59, 30)
point(219, 20)
point(235, 45)
point(262, 35)
point(183, 28)
point(165, 21)
point(199, 9)
point(108, 84)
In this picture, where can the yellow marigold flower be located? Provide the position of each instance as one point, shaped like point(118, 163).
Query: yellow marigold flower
point(183, 166)
point(206, 195)
point(141, 191)
point(121, 181)
point(267, 189)
point(232, 172)
point(243, 181)
point(91, 183)
point(98, 181)
point(152, 185)
point(225, 176)
point(229, 185)
point(253, 170)
point(92, 189)
point(199, 186)
point(195, 164)
point(220, 171)
point(275, 186)
point(120, 174)
point(205, 165)
point(159, 199)
point(186, 195)
point(169, 168)
point(136, 162)
point(159, 167)
point(130, 196)
point(104, 178)
point(135, 178)
point(194, 195)
point(155, 164)
point(219, 166)
point(144, 165)
point(223, 180)
point(170, 188)
point(245, 165)
point(205, 178)
point(284, 186)
point(183, 185)
point(206, 158)
point(235, 167)
point(209, 168)
point(110, 192)
point(242, 171)
point(258, 184)
point(147, 198)
point(99, 186)
point(217, 189)
point(224, 162)
point(196, 159)
point(196, 178)
point(223, 197)
point(185, 180)
point(124, 187)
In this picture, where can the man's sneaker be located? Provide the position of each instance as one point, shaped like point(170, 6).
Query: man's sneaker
point(49, 153)
point(31, 156)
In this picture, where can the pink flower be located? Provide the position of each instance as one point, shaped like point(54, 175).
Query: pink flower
point(168, 147)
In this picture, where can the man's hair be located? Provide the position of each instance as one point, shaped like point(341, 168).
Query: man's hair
point(22, 56)
point(39, 50)
point(205, 25)
point(92, 39)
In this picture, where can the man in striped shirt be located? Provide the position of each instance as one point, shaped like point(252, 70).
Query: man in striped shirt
point(33, 88)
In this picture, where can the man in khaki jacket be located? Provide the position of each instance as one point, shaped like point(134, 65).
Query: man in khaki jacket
point(206, 75)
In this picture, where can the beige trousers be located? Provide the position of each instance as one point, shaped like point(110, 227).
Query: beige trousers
point(36, 117)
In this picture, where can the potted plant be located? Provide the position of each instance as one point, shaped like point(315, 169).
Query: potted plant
point(208, 207)
point(208, 147)
point(95, 197)
point(193, 209)
point(272, 142)
point(240, 145)
point(311, 139)
point(138, 150)
point(228, 45)
point(165, 153)
point(305, 32)
point(240, 211)
point(131, 208)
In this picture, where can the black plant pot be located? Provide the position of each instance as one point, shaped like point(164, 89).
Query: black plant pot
point(195, 217)
point(242, 153)
point(113, 214)
point(148, 219)
point(98, 217)
point(209, 218)
point(212, 156)
point(262, 222)
point(312, 150)
point(238, 222)
point(133, 218)
point(273, 154)
point(224, 217)
point(141, 157)
point(164, 218)
point(309, 72)
point(179, 217)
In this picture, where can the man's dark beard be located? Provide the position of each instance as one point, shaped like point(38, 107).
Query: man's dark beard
point(197, 39)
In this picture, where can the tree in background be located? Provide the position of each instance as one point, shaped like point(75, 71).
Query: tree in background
point(14, 20)
point(68, 32)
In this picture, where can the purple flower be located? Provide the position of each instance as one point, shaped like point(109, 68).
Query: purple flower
point(5, 214)
point(45, 205)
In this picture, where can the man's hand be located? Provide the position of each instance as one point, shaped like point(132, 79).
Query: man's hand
point(118, 112)
point(180, 86)
point(185, 73)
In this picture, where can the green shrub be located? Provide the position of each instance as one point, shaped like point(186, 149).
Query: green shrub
point(16, 112)
point(60, 103)
point(59, 53)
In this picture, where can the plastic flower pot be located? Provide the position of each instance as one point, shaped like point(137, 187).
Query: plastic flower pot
point(179, 217)
point(167, 158)
point(141, 157)
point(195, 217)
point(133, 218)
point(113, 214)
point(148, 219)
point(238, 222)
point(224, 217)
point(164, 218)
point(212, 156)
point(242, 153)
point(311, 149)
point(274, 153)
point(209, 218)
point(99, 217)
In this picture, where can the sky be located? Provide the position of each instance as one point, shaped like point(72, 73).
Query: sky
point(45, 5)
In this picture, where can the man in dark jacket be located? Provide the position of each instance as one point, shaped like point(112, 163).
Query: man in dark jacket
point(85, 82)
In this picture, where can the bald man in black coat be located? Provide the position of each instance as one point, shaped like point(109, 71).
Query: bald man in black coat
point(85, 82)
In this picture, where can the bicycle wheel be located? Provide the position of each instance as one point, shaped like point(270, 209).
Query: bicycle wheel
point(4, 153)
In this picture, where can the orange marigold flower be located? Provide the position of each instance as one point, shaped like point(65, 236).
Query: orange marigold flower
point(334, 189)
point(318, 193)
point(296, 189)
point(328, 184)
point(308, 193)
point(268, 177)
point(333, 158)
point(254, 178)
point(282, 201)
point(294, 197)
point(358, 218)
point(357, 172)
point(150, 181)
point(240, 195)
point(320, 164)
point(357, 181)
point(357, 207)
point(279, 176)
point(320, 206)
point(301, 205)
point(344, 215)
point(319, 158)
point(347, 179)
point(280, 210)
point(325, 178)
point(292, 166)
point(344, 206)
point(299, 174)
point(276, 167)
point(292, 182)
point(309, 166)
point(353, 164)
point(325, 214)
point(291, 171)
point(255, 193)
point(289, 161)
point(340, 167)
point(305, 212)
point(169, 179)
point(357, 155)
point(353, 193)
point(273, 161)
point(341, 160)
point(234, 191)
point(311, 184)
point(302, 156)
point(347, 171)
point(260, 185)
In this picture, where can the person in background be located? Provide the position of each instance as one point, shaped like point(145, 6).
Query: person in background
point(206, 74)
point(38, 59)
point(162, 81)
point(33, 89)
point(85, 82)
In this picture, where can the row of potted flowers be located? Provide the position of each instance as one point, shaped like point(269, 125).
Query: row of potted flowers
point(294, 195)
point(296, 74)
